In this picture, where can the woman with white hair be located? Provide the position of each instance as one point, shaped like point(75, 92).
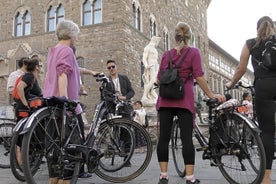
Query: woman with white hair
point(63, 79)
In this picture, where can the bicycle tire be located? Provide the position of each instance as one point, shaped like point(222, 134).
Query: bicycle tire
point(176, 146)
point(246, 145)
point(115, 157)
point(43, 139)
point(16, 169)
point(6, 132)
point(139, 161)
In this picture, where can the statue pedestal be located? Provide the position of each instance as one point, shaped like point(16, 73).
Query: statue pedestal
point(151, 114)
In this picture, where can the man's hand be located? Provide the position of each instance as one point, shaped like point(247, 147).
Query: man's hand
point(122, 98)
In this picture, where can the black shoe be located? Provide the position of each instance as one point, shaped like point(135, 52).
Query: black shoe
point(195, 182)
point(85, 175)
point(163, 181)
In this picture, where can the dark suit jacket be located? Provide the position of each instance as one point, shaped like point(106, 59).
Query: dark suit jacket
point(125, 85)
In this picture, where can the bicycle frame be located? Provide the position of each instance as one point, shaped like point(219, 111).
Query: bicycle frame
point(234, 144)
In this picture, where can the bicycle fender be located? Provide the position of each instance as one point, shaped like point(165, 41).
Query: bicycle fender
point(249, 122)
point(31, 118)
point(19, 125)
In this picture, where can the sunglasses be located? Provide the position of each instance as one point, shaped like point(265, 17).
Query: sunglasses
point(111, 67)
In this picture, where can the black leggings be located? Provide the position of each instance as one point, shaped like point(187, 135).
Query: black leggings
point(185, 118)
point(265, 108)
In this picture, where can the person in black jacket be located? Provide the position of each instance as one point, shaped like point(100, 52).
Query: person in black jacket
point(120, 83)
point(265, 85)
point(121, 86)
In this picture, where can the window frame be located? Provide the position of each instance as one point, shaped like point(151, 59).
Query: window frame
point(54, 16)
point(94, 12)
point(22, 23)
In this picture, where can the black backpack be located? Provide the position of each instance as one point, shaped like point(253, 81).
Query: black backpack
point(268, 61)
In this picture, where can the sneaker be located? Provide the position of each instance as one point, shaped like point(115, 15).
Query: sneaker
point(195, 182)
point(163, 181)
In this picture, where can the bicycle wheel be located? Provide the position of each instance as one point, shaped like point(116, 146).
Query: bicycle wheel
point(117, 152)
point(138, 162)
point(176, 144)
point(243, 162)
point(44, 139)
point(15, 151)
point(6, 132)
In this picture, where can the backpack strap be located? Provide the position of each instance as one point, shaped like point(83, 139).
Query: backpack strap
point(178, 64)
point(170, 65)
point(181, 60)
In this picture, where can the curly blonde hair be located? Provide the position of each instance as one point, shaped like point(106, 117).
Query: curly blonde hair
point(182, 35)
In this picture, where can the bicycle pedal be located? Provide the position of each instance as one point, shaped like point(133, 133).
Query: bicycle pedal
point(206, 155)
point(108, 153)
point(101, 155)
point(199, 149)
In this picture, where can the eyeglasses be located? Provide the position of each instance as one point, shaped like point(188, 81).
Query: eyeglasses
point(109, 67)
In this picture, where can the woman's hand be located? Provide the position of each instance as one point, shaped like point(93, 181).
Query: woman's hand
point(220, 97)
point(229, 85)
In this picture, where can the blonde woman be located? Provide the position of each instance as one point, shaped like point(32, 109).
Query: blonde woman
point(183, 108)
point(265, 85)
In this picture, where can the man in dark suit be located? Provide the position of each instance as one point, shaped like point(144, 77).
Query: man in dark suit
point(121, 85)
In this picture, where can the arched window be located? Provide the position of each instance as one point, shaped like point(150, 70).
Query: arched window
point(92, 14)
point(87, 15)
point(23, 24)
point(97, 11)
point(60, 14)
point(27, 23)
point(165, 39)
point(54, 17)
point(152, 27)
point(136, 16)
point(51, 19)
point(18, 25)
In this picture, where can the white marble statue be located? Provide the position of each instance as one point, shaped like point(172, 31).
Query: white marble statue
point(150, 61)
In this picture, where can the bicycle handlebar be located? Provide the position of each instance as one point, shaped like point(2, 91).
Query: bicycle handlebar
point(102, 78)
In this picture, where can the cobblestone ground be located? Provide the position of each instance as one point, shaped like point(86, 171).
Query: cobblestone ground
point(204, 172)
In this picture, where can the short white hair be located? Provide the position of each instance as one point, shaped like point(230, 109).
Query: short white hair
point(67, 29)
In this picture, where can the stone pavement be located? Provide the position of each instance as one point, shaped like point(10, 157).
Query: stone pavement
point(204, 172)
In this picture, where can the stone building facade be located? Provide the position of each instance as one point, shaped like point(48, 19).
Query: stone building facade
point(221, 69)
point(110, 29)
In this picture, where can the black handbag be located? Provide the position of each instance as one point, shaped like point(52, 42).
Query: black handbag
point(171, 84)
